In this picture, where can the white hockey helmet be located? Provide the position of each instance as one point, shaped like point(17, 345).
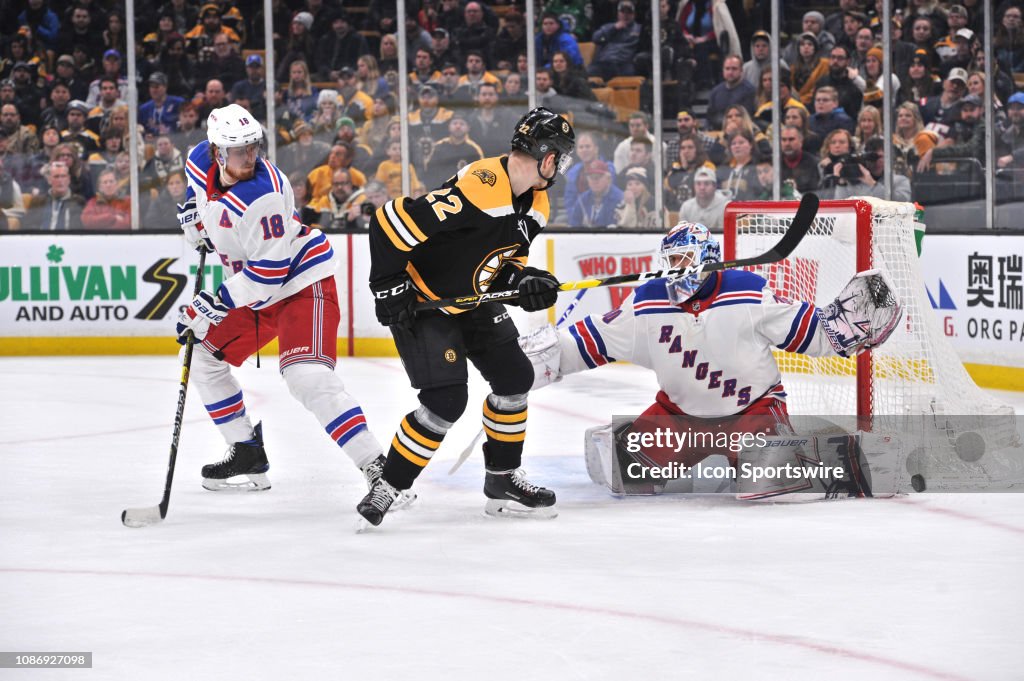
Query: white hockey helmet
point(233, 126)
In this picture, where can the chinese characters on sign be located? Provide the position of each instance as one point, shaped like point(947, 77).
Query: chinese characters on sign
point(985, 284)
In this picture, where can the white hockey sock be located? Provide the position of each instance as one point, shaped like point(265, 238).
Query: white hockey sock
point(221, 395)
point(322, 392)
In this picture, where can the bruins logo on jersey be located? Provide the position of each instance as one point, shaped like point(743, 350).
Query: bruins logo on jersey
point(486, 176)
point(491, 265)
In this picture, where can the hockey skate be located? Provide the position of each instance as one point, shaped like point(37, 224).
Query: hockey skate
point(376, 504)
point(372, 472)
point(243, 458)
point(510, 494)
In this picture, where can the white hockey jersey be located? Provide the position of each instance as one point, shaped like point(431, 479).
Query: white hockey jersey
point(713, 354)
point(257, 233)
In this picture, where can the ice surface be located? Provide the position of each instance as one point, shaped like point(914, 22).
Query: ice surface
point(277, 585)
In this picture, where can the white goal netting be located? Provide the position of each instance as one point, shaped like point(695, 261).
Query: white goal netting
point(916, 377)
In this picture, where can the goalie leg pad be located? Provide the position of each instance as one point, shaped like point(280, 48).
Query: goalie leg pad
point(802, 468)
point(599, 456)
point(606, 458)
point(320, 390)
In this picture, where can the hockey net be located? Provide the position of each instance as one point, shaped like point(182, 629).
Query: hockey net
point(916, 376)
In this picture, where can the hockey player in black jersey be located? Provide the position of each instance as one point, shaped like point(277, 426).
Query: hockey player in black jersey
point(469, 236)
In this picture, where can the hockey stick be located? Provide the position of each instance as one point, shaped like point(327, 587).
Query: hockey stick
point(472, 445)
point(798, 228)
point(142, 517)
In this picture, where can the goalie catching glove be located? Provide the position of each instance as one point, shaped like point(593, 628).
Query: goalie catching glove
point(864, 314)
point(206, 310)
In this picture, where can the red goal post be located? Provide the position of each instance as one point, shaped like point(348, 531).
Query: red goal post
point(797, 276)
point(916, 371)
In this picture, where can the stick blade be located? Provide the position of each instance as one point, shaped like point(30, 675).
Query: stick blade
point(141, 517)
point(466, 453)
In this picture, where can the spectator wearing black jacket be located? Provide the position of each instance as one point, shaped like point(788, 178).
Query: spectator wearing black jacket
point(475, 34)
point(441, 48)
point(617, 43)
point(969, 140)
point(66, 72)
point(843, 78)
point(178, 67)
point(81, 31)
point(57, 113)
point(224, 63)
point(510, 41)
point(567, 80)
point(26, 95)
point(341, 47)
point(798, 165)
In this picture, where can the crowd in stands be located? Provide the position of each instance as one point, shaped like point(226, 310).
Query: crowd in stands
point(65, 142)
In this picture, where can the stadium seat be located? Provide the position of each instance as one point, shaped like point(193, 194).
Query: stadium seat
point(625, 95)
point(604, 95)
point(587, 51)
point(626, 82)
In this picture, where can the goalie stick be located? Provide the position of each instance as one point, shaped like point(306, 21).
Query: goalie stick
point(150, 515)
point(798, 228)
point(472, 445)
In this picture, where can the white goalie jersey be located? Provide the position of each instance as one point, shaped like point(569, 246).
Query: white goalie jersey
point(712, 355)
point(257, 233)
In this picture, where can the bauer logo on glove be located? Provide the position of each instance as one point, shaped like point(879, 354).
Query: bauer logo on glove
point(195, 233)
point(205, 310)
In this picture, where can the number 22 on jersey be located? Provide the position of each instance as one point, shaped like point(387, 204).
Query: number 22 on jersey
point(444, 204)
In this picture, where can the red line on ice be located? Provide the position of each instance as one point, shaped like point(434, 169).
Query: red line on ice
point(793, 641)
point(960, 515)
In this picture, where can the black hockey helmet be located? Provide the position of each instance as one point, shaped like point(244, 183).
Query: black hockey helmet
point(541, 132)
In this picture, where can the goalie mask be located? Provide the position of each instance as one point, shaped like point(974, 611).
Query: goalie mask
point(687, 245)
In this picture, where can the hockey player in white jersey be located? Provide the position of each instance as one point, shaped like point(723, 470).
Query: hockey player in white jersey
point(240, 206)
point(709, 339)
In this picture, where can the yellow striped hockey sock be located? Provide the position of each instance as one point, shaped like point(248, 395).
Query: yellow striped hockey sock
point(504, 421)
point(411, 450)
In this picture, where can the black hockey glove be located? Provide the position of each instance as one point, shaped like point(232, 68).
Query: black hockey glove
point(538, 290)
point(394, 301)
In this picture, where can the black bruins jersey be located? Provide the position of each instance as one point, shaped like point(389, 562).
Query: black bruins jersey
point(453, 241)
